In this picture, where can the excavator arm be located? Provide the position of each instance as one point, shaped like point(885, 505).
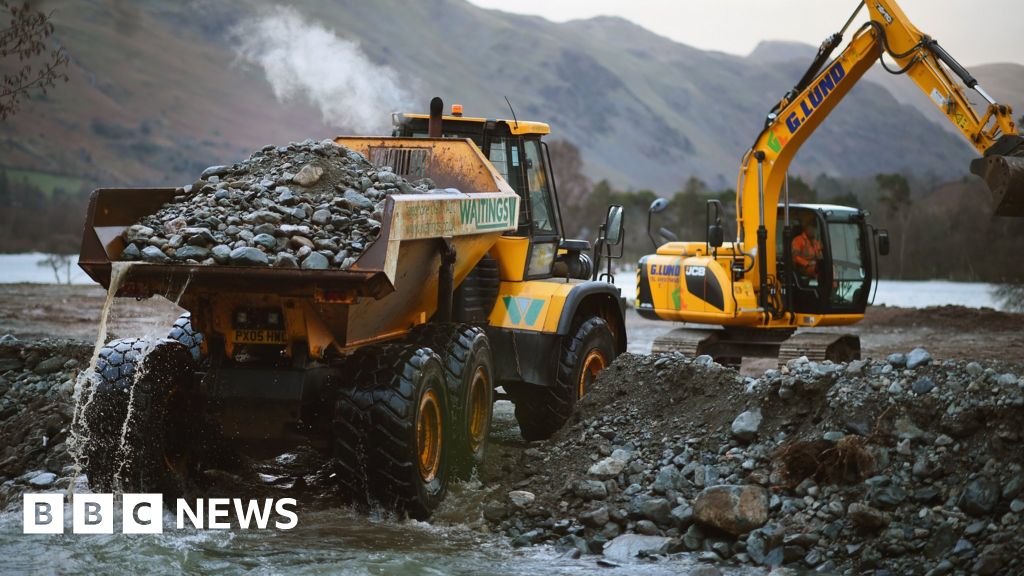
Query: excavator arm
point(764, 167)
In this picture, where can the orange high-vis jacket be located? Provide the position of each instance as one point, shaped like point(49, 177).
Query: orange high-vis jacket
point(806, 253)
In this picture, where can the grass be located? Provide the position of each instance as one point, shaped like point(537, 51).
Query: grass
point(45, 181)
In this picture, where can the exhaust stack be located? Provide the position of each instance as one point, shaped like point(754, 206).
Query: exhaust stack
point(434, 124)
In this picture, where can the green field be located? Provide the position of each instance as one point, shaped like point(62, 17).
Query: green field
point(44, 180)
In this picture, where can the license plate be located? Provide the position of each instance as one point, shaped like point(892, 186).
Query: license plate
point(260, 337)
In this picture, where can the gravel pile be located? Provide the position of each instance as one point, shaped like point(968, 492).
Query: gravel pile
point(37, 380)
point(312, 205)
point(902, 466)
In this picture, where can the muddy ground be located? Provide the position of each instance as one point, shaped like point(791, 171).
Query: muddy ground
point(31, 311)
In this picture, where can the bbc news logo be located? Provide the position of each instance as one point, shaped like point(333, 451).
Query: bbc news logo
point(144, 513)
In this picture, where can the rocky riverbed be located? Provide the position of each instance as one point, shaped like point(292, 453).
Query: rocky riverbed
point(907, 465)
point(311, 205)
point(900, 466)
point(37, 381)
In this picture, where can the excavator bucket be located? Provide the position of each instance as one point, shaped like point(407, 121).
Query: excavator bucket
point(1004, 175)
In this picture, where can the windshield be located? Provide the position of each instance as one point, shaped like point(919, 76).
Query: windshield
point(849, 277)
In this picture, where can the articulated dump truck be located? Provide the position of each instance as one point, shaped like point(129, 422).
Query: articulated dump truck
point(390, 366)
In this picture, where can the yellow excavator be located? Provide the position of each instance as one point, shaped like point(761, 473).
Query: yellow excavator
point(816, 268)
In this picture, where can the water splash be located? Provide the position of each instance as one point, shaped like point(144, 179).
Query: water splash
point(85, 382)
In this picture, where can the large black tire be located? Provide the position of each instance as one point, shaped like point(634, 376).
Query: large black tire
point(543, 410)
point(137, 418)
point(391, 428)
point(469, 370)
point(183, 332)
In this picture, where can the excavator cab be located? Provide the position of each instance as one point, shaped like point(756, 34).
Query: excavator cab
point(840, 280)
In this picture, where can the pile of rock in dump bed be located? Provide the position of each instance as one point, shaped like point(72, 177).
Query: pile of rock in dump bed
point(310, 205)
point(37, 381)
point(903, 466)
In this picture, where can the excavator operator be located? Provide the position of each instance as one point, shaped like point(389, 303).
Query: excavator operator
point(807, 250)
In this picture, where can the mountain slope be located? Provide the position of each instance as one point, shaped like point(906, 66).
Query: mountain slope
point(157, 92)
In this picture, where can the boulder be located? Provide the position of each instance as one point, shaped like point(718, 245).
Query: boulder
point(733, 509)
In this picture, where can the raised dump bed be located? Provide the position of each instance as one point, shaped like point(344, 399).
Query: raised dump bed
point(391, 288)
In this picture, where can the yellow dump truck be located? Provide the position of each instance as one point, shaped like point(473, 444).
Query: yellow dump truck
point(391, 365)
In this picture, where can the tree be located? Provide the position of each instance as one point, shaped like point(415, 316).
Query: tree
point(58, 263)
point(801, 191)
point(567, 165)
point(38, 66)
point(895, 198)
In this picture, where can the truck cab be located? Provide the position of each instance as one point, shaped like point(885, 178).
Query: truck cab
point(518, 152)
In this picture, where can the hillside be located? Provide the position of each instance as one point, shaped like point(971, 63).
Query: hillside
point(158, 91)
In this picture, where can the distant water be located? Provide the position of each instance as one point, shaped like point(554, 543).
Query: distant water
point(902, 293)
point(15, 268)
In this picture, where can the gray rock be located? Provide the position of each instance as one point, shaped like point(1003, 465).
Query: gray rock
point(590, 489)
point(131, 252)
point(215, 171)
point(265, 240)
point(153, 254)
point(1008, 379)
point(50, 365)
point(668, 478)
point(322, 216)
point(286, 260)
point(975, 369)
point(746, 425)
point(315, 261)
point(979, 497)
point(607, 468)
point(248, 256)
point(198, 236)
point(43, 479)
point(657, 510)
point(628, 546)
point(197, 253)
point(309, 174)
point(595, 518)
point(682, 516)
point(221, 253)
point(922, 385)
point(358, 200)
point(521, 498)
point(918, 357)
point(897, 360)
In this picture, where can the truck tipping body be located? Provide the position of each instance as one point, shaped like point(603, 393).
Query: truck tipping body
point(390, 289)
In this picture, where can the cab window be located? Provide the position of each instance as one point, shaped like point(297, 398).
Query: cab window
point(542, 211)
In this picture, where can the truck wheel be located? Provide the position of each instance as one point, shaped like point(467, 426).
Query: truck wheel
point(393, 426)
point(183, 332)
point(136, 418)
point(543, 410)
point(466, 356)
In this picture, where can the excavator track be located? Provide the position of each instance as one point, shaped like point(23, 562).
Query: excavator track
point(820, 346)
point(730, 346)
point(686, 341)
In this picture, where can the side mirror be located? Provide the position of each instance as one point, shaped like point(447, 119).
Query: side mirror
point(716, 236)
point(613, 226)
point(658, 205)
point(883, 242)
